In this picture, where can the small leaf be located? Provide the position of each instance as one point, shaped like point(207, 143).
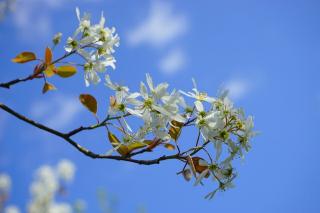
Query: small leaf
point(47, 87)
point(89, 102)
point(169, 146)
point(66, 71)
point(121, 149)
point(175, 130)
point(24, 57)
point(50, 71)
point(48, 56)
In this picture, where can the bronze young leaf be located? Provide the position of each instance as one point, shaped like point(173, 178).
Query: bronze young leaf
point(89, 102)
point(24, 57)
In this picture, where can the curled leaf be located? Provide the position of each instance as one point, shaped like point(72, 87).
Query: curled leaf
point(200, 164)
point(175, 129)
point(89, 102)
point(47, 86)
point(24, 57)
point(121, 149)
point(66, 71)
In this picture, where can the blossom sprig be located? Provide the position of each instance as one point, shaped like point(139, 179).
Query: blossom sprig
point(164, 114)
point(100, 42)
point(159, 115)
point(95, 45)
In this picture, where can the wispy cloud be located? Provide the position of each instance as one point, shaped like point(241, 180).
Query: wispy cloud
point(58, 112)
point(238, 87)
point(173, 62)
point(162, 25)
point(33, 19)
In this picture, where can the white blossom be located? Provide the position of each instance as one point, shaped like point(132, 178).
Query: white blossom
point(66, 170)
point(11, 209)
point(46, 185)
point(60, 208)
point(57, 38)
point(5, 183)
point(200, 96)
point(95, 44)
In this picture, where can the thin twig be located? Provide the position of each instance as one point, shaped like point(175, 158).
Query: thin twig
point(84, 150)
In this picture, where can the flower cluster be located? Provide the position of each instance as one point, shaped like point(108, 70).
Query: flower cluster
point(165, 113)
point(5, 183)
point(154, 105)
point(94, 43)
point(48, 182)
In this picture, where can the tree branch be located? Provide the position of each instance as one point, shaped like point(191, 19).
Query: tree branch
point(8, 84)
point(83, 150)
point(101, 124)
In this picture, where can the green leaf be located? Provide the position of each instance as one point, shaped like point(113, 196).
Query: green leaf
point(66, 71)
point(89, 102)
point(24, 57)
point(136, 145)
point(121, 149)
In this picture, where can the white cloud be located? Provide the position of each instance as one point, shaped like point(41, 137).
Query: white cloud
point(173, 62)
point(238, 88)
point(33, 19)
point(58, 112)
point(161, 26)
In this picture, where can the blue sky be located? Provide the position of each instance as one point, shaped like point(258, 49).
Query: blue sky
point(266, 52)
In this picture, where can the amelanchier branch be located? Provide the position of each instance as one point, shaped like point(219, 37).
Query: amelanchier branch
point(163, 114)
point(67, 138)
point(8, 84)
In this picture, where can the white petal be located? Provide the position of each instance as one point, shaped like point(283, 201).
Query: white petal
point(149, 81)
point(143, 90)
point(201, 176)
point(127, 125)
point(78, 13)
point(85, 54)
point(199, 106)
point(194, 84)
point(102, 20)
point(134, 112)
point(133, 95)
